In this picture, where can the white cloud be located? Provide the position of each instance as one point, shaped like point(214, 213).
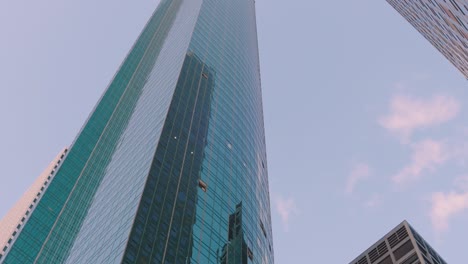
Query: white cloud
point(359, 172)
point(427, 156)
point(408, 114)
point(445, 207)
point(287, 209)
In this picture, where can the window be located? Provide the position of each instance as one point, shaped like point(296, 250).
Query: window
point(403, 250)
point(363, 260)
point(387, 260)
point(411, 259)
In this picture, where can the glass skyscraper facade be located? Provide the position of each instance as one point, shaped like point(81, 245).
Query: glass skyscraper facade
point(170, 166)
point(444, 23)
point(402, 245)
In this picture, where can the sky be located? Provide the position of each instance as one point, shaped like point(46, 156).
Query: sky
point(365, 120)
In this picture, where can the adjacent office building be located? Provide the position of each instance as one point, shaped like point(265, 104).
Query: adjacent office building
point(12, 223)
point(170, 166)
point(402, 245)
point(443, 22)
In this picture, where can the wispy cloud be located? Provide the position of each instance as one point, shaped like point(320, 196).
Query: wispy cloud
point(287, 209)
point(359, 172)
point(445, 206)
point(427, 156)
point(408, 114)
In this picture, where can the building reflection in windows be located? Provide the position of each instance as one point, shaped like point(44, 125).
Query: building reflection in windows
point(236, 249)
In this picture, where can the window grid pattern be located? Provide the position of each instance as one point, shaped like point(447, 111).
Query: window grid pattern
point(234, 167)
point(428, 253)
point(171, 165)
point(163, 226)
point(402, 245)
point(52, 229)
point(119, 194)
point(443, 22)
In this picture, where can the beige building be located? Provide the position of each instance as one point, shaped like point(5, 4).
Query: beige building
point(15, 219)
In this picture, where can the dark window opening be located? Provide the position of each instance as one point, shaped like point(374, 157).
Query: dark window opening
point(387, 260)
point(411, 259)
point(403, 250)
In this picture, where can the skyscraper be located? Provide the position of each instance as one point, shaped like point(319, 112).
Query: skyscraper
point(443, 23)
point(173, 148)
point(402, 245)
point(11, 224)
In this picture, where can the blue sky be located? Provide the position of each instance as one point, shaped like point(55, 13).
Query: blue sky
point(365, 120)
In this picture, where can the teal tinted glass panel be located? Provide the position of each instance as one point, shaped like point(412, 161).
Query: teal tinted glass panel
point(162, 232)
point(49, 234)
point(171, 165)
point(107, 226)
point(234, 165)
